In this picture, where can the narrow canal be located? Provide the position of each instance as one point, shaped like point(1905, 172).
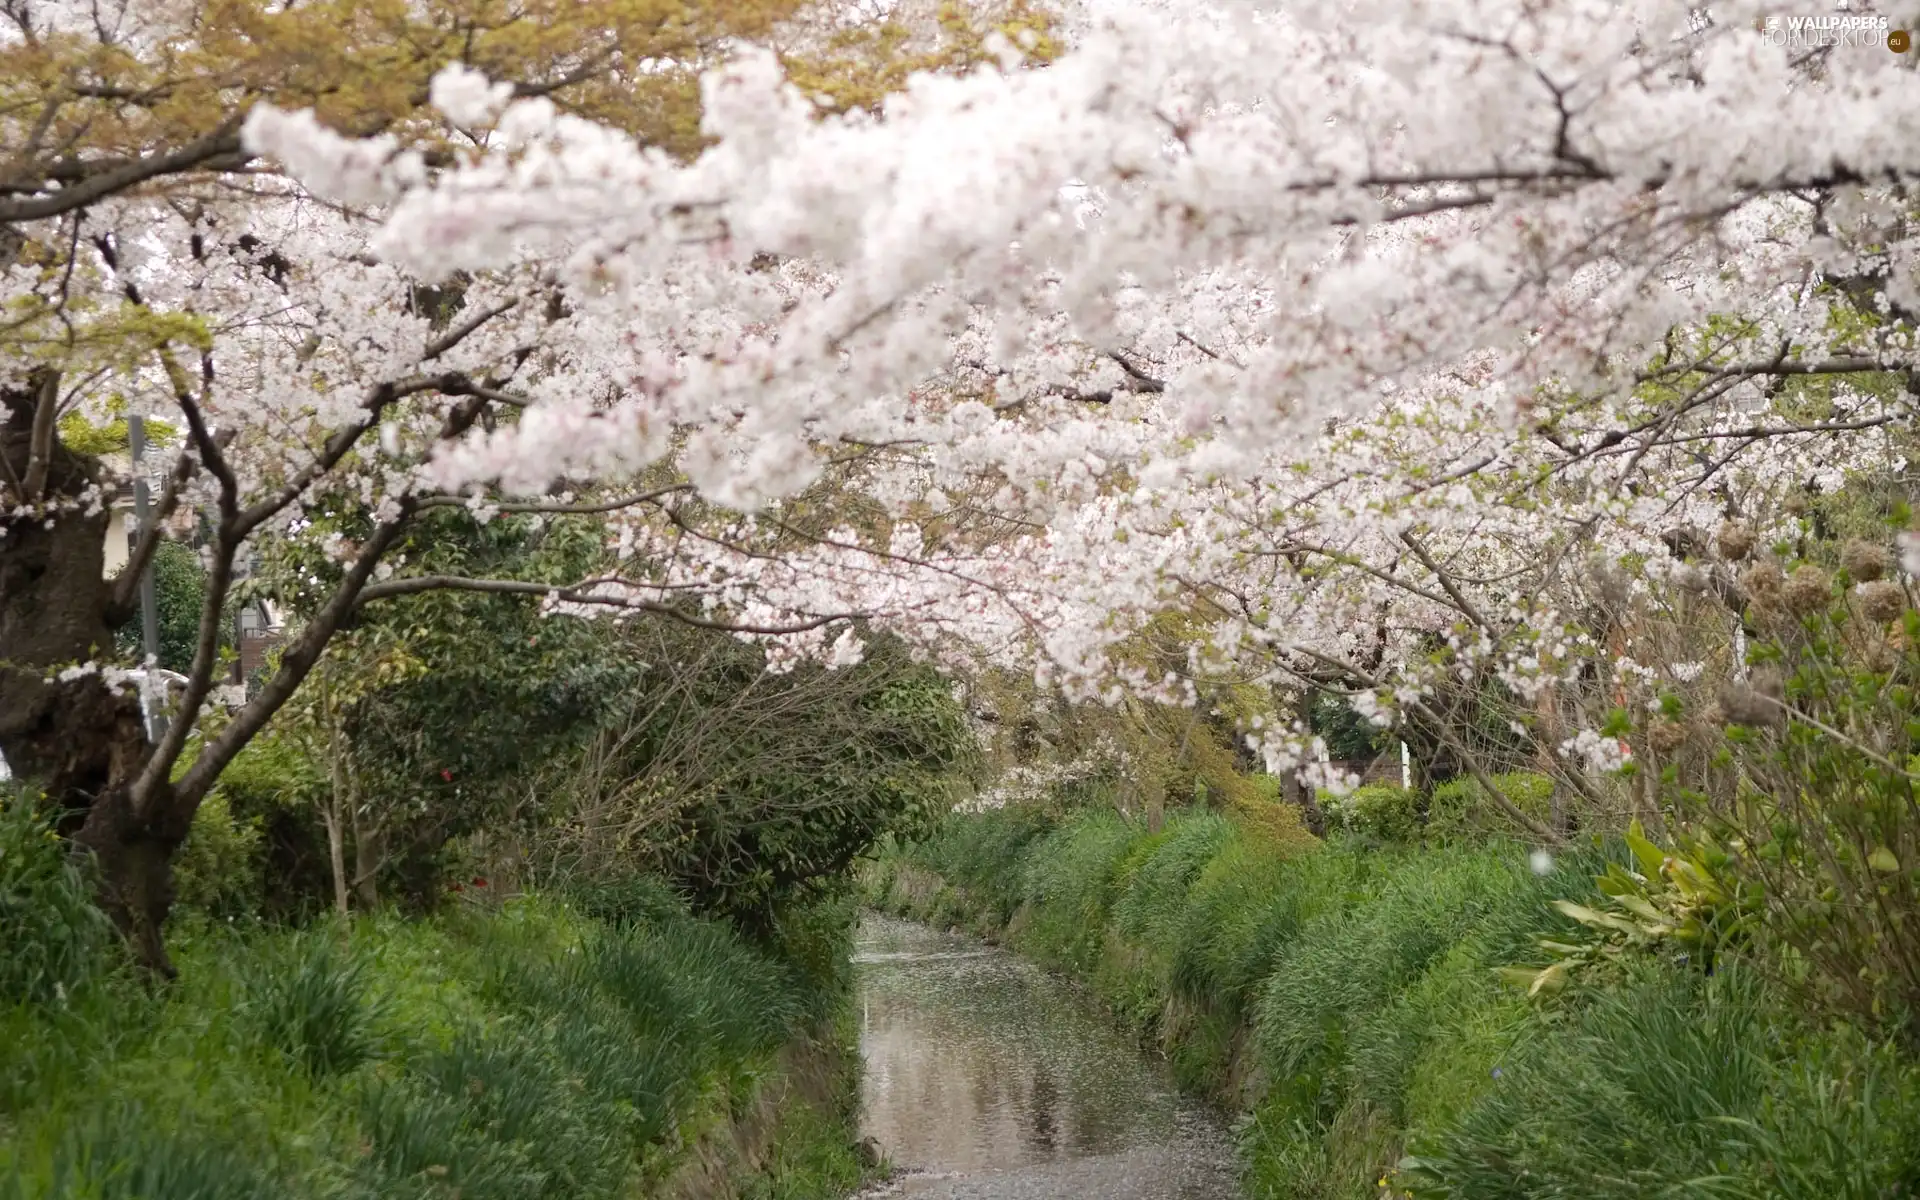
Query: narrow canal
point(988, 1080)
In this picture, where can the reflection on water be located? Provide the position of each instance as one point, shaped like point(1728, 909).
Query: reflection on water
point(989, 1080)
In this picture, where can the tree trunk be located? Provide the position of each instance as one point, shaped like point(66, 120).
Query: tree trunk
point(336, 846)
point(369, 850)
point(338, 800)
point(78, 740)
point(1293, 788)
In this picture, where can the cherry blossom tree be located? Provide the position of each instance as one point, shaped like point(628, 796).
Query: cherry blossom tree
point(154, 262)
point(1371, 337)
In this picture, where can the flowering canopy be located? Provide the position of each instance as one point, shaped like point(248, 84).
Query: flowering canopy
point(1427, 291)
point(1371, 337)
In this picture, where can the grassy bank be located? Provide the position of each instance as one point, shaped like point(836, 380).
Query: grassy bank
point(608, 1046)
point(1344, 999)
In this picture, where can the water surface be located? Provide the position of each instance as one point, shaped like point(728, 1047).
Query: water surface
point(986, 1079)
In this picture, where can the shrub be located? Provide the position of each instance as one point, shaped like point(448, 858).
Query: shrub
point(272, 785)
point(1263, 815)
point(1378, 811)
point(1460, 808)
point(1804, 767)
point(218, 868)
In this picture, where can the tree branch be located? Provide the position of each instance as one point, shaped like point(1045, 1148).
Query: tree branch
point(222, 143)
point(578, 594)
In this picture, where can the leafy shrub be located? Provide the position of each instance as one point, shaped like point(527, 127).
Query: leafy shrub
point(52, 937)
point(1264, 815)
point(739, 785)
point(1460, 808)
point(1378, 811)
point(273, 786)
point(1805, 766)
point(218, 868)
point(180, 592)
point(1684, 902)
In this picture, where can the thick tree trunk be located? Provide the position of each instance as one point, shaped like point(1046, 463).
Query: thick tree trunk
point(80, 741)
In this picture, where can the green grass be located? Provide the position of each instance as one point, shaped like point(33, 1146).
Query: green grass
point(1345, 999)
point(511, 1054)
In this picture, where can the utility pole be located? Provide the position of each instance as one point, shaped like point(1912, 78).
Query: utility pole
point(149, 606)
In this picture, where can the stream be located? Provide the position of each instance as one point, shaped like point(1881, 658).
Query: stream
point(987, 1079)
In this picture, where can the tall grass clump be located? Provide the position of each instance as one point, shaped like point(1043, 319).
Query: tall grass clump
point(52, 937)
point(1249, 901)
point(1678, 1083)
point(984, 855)
point(310, 998)
point(1069, 886)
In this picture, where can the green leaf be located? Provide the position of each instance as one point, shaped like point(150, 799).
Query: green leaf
point(1649, 855)
point(1520, 976)
point(1617, 882)
point(1550, 980)
point(1595, 918)
point(1639, 907)
point(1565, 948)
point(1882, 859)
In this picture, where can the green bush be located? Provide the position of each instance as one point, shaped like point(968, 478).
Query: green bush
point(1460, 808)
point(274, 787)
point(217, 870)
point(1378, 811)
point(180, 592)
